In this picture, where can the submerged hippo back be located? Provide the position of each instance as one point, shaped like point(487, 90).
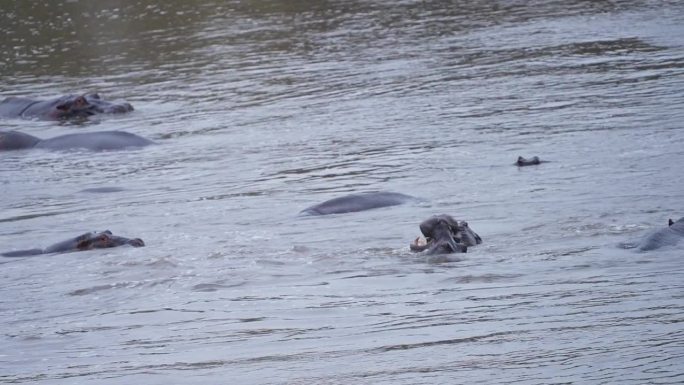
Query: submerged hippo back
point(15, 140)
point(95, 141)
point(669, 236)
point(22, 253)
point(13, 107)
point(358, 202)
point(30, 108)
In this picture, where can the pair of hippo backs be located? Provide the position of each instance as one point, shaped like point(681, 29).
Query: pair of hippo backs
point(443, 234)
point(61, 108)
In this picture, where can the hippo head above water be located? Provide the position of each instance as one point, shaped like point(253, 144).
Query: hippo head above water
point(71, 106)
point(443, 235)
point(88, 241)
point(103, 240)
point(93, 240)
point(63, 107)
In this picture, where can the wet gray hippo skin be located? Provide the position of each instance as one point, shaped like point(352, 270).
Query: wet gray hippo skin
point(358, 202)
point(87, 241)
point(94, 141)
point(445, 235)
point(521, 162)
point(64, 107)
point(668, 236)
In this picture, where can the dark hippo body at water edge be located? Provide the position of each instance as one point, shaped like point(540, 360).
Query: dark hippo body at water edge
point(358, 202)
point(444, 235)
point(87, 241)
point(94, 141)
point(669, 236)
point(63, 107)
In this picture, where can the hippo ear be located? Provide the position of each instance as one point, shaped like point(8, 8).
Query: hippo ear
point(428, 226)
point(94, 95)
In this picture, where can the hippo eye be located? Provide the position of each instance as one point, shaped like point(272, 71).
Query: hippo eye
point(80, 101)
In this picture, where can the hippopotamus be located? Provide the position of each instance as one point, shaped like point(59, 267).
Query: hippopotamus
point(444, 235)
point(63, 107)
point(521, 162)
point(94, 141)
point(358, 202)
point(669, 236)
point(87, 241)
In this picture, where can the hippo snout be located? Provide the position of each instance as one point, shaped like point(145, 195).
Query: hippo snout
point(136, 242)
point(119, 108)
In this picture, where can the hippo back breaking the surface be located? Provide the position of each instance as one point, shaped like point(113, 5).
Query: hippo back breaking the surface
point(669, 236)
point(94, 141)
point(358, 202)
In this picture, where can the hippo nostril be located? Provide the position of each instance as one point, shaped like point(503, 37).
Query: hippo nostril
point(120, 108)
point(80, 102)
point(136, 242)
point(126, 107)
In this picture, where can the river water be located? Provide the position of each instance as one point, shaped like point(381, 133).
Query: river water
point(262, 108)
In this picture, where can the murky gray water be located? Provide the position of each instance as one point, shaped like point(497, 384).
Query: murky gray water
point(262, 108)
